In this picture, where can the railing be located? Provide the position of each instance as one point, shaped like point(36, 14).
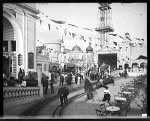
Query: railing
point(18, 93)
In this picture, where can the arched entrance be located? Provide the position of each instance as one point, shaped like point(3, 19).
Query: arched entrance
point(142, 65)
point(9, 49)
point(134, 65)
point(12, 45)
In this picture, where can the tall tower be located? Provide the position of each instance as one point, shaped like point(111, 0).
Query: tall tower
point(104, 25)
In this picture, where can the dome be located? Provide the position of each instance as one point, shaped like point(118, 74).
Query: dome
point(89, 48)
point(76, 48)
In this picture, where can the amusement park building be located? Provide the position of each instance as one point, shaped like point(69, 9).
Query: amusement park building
point(19, 37)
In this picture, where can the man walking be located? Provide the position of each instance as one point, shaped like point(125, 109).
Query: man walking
point(66, 93)
point(60, 94)
point(61, 79)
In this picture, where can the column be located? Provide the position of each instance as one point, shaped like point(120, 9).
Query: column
point(39, 74)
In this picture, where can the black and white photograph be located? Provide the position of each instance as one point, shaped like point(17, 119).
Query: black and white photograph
point(74, 60)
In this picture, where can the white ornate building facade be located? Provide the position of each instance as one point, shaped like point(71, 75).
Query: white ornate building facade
point(19, 37)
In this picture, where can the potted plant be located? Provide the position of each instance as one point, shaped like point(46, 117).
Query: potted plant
point(88, 88)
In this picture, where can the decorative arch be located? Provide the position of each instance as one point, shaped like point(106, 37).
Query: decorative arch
point(142, 65)
point(18, 37)
point(134, 64)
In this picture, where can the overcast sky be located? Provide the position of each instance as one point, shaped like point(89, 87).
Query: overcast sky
point(127, 17)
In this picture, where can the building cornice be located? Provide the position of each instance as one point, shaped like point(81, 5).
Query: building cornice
point(23, 5)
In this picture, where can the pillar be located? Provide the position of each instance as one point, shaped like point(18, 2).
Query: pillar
point(109, 70)
point(39, 74)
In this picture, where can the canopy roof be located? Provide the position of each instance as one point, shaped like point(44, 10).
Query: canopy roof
point(141, 57)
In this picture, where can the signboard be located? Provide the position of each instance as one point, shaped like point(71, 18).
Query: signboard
point(9, 54)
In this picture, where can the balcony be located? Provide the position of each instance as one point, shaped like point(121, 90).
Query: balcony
point(104, 29)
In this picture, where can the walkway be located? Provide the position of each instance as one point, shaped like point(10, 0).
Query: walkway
point(18, 110)
point(83, 108)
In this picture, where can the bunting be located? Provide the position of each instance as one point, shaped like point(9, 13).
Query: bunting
point(73, 35)
point(40, 21)
point(128, 38)
point(138, 39)
point(65, 32)
point(121, 37)
point(73, 25)
point(113, 34)
point(82, 37)
point(49, 27)
point(87, 29)
point(70, 33)
point(58, 22)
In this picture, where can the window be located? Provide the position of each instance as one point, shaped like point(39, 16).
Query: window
point(13, 45)
point(5, 46)
point(45, 67)
point(31, 60)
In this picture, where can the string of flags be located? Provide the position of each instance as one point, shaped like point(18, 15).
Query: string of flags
point(140, 41)
point(59, 26)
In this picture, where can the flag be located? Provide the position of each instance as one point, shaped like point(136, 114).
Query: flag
point(82, 37)
point(113, 34)
point(138, 39)
point(72, 25)
point(115, 43)
point(49, 27)
point(40, 21)
point(58, 22)
point(73, 34)
point(65, 32)
point(128, 38)
point(87, 29)
point(121, 37)
point(70, 33)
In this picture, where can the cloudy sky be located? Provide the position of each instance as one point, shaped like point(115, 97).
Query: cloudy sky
point(126, 17)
